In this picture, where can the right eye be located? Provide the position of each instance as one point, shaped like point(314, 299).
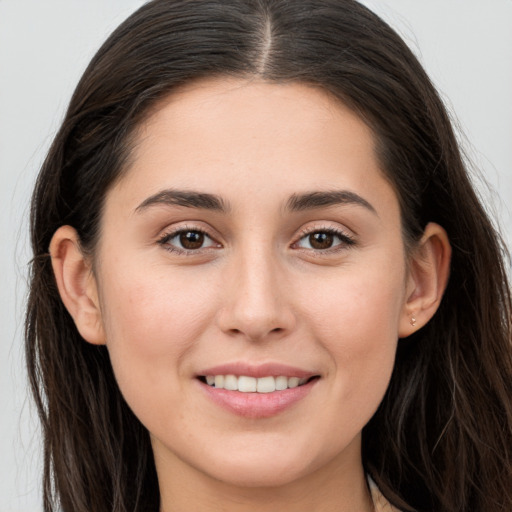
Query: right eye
point(187, 240)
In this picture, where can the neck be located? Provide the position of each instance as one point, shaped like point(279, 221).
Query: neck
point(335, 487)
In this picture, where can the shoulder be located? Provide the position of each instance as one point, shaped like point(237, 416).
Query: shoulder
point(380, 503)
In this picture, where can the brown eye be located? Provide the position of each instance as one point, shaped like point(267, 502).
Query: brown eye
point(184, 240)
point(321, 240)
point(191, 239)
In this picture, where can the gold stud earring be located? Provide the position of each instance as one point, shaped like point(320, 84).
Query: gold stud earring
point(413, 321)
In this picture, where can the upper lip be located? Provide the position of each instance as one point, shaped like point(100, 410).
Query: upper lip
point(257, 370)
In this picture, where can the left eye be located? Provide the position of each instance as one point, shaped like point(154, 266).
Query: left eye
point(323, 240)
point(188, 240)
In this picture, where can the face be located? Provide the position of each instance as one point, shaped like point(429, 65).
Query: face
point(253, 243)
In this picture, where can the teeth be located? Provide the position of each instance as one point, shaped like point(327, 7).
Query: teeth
point(247, 384)
point(230, 382)
point(266, 385)
point(281, 383)
point(293, 382)
point(252, 385)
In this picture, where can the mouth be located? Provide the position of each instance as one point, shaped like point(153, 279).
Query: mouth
point(256, 390)
point(248, 384)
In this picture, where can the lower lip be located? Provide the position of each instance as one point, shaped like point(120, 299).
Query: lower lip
point(257, 405)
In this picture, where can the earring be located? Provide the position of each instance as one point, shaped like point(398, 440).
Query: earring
point(413, 321)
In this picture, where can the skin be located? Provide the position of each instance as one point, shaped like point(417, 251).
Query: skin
point(257, 291)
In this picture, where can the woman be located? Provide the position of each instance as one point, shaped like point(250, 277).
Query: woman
point(262, 279)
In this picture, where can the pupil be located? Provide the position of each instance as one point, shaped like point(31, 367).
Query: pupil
point(321, 240)
point(192, 239)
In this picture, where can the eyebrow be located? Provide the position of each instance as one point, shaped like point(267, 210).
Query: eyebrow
point(321, 199)
point(296, 202)
point(188, 199)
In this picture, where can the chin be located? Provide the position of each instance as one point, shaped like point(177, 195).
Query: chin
point(257, 475)
point(266, 468)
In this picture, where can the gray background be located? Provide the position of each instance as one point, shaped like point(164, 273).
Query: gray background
point(466, 46)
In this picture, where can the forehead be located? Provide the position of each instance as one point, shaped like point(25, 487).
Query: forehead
point(246, 136)
point(238, 109)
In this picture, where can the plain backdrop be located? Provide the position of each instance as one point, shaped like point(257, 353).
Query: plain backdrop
point(465, 45)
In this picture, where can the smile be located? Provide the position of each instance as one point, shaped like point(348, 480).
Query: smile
point(256, 397)
point(247, 384)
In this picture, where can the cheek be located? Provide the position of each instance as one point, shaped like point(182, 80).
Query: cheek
point(152, 322)
point(356, 321)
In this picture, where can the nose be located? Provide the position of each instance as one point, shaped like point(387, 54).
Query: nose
point(256, 303)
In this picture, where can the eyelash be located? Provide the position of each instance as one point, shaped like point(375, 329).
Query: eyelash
point(346, 241)
point(165, 239)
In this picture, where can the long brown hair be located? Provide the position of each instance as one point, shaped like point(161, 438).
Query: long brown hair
point(442, 437)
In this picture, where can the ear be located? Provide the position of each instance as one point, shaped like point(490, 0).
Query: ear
point(429, 269)
point(77, 284)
